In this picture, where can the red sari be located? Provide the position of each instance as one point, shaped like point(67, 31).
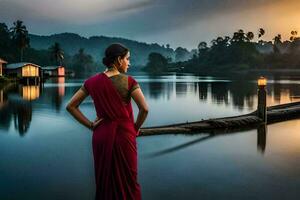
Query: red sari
point(114, 142)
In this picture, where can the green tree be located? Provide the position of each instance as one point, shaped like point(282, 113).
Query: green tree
point(277, 42)
point(294, 36)
point(239, 36)
point(156, 63)
point(83, 63)
point(57, 53)
point(5, 44)
point(20, 36)
point(250, 35)
point(261, 32)
point(181, 54)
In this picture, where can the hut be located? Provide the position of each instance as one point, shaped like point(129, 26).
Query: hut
point(54, 71)
point(26, 71)
point(2, 64)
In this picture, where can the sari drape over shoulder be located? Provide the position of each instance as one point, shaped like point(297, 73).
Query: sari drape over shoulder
point(114, 142)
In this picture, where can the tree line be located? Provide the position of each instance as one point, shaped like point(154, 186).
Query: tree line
point(236, 53)
point(15, 47)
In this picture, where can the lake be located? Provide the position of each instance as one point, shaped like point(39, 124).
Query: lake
point(45, 154)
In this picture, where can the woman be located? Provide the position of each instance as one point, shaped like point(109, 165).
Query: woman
point(114, 130)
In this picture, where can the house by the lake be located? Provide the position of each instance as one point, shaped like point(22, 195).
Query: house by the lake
point(26, 71)
point(2, 65)
point(54, 71)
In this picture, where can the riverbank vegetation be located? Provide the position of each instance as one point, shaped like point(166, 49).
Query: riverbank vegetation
point(237, 53)
point(242, 52)
point(15, 47)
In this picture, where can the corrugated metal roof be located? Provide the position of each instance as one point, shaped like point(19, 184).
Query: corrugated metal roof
point(2, 61)
point(18, 65)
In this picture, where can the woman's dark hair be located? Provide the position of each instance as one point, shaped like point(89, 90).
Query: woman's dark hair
point(112, 53)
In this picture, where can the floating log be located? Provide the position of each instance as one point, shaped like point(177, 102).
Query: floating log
point(276, 113)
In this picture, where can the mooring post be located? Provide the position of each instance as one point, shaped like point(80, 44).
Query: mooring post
point(262, 99)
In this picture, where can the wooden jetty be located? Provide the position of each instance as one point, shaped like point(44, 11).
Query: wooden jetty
point(276, 113)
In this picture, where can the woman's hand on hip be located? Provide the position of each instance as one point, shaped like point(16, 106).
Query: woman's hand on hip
point(96, 123)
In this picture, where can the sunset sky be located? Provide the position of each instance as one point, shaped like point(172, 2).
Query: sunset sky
point(178, 23)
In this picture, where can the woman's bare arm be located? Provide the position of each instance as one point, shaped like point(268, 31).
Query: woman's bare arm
point(139, 99)
point(73, 108)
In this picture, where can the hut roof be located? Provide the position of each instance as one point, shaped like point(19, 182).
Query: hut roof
point(51, 67)
point(18, 65)
point(2, 61)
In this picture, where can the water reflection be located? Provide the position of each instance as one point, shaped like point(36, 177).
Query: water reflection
point(262, 138)
point(30, 92)
point(19, 111)
point(198, 97)
point(17, 102)
point(22, 115)
point(241, 94)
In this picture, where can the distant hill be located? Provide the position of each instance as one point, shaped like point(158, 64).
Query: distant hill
point(96, 45)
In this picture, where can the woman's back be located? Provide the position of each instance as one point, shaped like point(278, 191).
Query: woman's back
point(124, 85)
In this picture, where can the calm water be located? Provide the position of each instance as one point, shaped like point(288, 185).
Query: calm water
point(45, 154)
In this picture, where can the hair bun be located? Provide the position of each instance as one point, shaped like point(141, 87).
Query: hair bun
point(112, 52)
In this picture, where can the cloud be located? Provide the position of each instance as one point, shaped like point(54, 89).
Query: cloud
point(161, 20)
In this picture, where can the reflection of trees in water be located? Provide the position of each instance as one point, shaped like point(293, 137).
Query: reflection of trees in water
point(243, 92)
point(155, 89)
point(181, 89)
point(54, 95)
point(202, 87)
point(20, 111)
point(219, 92)
point(5, 116)
point(18, 107)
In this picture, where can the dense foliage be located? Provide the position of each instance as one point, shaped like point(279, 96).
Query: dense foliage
point(237, 53)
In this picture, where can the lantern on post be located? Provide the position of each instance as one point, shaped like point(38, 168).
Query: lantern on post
point(262, 99)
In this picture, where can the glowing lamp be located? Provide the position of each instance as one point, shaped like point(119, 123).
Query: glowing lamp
point(262, 81)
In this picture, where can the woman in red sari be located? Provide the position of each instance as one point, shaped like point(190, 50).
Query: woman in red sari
point(114, 130)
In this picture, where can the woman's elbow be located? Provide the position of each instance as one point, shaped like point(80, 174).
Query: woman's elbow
point(145, 110)
point(69, 107)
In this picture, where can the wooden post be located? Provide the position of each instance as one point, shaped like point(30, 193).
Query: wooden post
point(262, 99)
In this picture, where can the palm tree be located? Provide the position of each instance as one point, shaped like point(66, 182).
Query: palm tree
point(83, 62)
point(57, 53)
point(250, 35)
point(277, 39)
point(294, 35)
point(20, 36)
point(202, 46)
point(239, 36)
point(261, 32)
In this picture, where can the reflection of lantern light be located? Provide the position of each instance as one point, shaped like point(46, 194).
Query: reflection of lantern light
point(61, 86)
point(31, 92)
point(262, 81)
